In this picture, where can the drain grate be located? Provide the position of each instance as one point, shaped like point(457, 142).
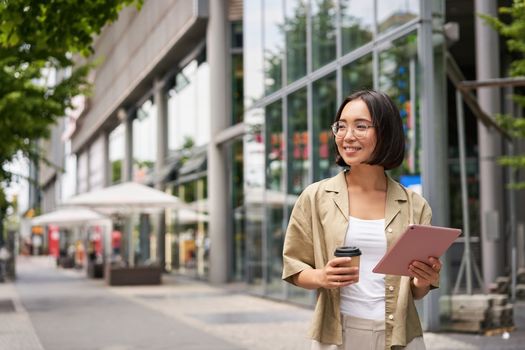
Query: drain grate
point(6, 306)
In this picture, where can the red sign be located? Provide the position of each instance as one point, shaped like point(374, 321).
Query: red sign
point(53, 233)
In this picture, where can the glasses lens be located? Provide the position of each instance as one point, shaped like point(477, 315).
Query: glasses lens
point(334, 128)
point(360, 130)
point(359, 133)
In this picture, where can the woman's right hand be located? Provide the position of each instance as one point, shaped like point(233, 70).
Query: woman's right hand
point(337, 273)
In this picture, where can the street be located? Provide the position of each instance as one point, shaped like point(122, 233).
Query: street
point(59, 309)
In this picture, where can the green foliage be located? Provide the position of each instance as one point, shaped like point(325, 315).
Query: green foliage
point(514, 32)
point(295, 35)
point(36, 39)
point(116, 171)
point(515, 126)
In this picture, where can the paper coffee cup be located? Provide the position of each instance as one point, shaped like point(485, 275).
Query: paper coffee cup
point(352, 252)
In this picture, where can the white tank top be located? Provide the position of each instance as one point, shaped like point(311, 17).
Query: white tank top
point(366, 299)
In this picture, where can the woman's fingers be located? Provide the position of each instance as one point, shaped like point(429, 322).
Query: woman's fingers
point(338, 275)
point(426, 272)
point(420, 271)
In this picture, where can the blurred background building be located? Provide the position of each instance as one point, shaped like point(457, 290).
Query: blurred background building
point(228, 106)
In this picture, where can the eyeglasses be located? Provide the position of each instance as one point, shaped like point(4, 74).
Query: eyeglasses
point(340, 129)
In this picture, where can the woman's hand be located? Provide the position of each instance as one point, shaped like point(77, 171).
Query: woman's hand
point(337, 273)
point(425, 274)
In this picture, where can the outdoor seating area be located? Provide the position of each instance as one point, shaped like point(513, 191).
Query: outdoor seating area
point(103, 259)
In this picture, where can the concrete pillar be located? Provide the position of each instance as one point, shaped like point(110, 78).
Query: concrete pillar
point(127, 164)
point(159, 99)
point(218, 194)
point(490, 146)
point(107, 166)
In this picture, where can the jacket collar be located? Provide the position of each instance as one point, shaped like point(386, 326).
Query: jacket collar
point(394, 195)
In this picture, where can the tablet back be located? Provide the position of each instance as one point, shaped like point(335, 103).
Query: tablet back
point(418, 242)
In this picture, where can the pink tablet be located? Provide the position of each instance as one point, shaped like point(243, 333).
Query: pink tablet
point(418, 242)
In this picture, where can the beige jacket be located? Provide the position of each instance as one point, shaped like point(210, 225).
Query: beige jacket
point(318, 225)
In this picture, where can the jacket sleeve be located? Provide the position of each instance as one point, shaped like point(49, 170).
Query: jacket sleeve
point(426, 214)
point(298, 252)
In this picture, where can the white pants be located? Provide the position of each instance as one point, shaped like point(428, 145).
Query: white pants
point(362, 334)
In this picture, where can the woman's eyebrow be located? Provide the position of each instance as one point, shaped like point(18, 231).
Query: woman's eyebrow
point(356, 120)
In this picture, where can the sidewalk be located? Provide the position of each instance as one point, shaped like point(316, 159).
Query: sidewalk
point(246, 321)
point(16, 330)
point(256, 323)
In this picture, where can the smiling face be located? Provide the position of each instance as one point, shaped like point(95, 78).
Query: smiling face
point(355, 151)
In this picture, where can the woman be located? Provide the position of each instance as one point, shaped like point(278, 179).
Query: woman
point(360, 207)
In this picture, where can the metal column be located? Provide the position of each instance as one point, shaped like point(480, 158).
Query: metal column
point(490, 146)
point(433, 138)
point(218, 194)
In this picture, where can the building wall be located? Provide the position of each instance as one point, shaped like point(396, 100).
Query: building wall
point(130, 51)
point(53, 152)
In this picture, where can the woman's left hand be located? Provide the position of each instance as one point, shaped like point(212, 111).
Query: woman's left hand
point(426, 273)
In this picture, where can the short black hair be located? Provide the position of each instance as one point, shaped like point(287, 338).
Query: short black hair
point(390, 147)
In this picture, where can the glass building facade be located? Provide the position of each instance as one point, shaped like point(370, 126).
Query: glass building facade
point(315, 53)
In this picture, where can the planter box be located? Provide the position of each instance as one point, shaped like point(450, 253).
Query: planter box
point(132, 276)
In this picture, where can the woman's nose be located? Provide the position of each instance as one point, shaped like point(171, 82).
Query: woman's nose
point(350, 134)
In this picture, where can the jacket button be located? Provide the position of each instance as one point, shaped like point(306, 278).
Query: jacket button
point(391, 288)
point(389, 230)
point(390, 317)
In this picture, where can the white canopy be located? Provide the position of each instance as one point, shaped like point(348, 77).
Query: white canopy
point(125, 198)
point(189, 216)
point(68, 216)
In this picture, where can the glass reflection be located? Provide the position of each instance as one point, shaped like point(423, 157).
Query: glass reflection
point(397, 77)
point(254, 179)
point(298, 161)
point(237, 89)
point(253, 52)
point(237, 198)
point(295, 31)
point(189, 107)
point(358, 75)
point(394, 13)
point(273, 44)
point(273, 195)
point(357, 23)
point(324, 24)
point(144, 141)
point(274, 146)
point(116, 153)
point(189, 243)
point(324, 105)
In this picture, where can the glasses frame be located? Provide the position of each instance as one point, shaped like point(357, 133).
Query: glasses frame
point(353, 129)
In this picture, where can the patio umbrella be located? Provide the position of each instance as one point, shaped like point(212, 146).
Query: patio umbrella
point(189, 216)
point(128, 197)
point(68, 217)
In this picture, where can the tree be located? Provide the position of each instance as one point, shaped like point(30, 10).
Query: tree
point(36, 38)
point(514, 32)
